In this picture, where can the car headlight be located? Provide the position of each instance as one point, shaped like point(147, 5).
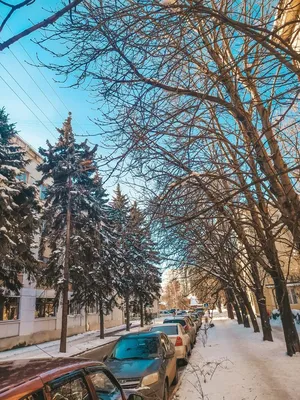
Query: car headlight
point(149, 379)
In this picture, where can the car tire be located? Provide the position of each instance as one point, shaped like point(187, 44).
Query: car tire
point(176, 378)
point(166, 391)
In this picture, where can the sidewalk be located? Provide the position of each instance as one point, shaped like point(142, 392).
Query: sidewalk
point(236, 364)
point(76, 344)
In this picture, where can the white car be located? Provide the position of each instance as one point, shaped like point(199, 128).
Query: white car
point(178, 337)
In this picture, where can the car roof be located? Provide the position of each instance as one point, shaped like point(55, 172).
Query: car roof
point(140, 334)
point(158, 325)
point(173, 318)
point(15, 373)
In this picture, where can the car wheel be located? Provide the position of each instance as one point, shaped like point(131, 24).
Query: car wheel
point(166, 391)
point(176, 378)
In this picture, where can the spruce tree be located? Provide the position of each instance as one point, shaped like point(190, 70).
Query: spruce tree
point(69, 214)
point(147, 276)
point(121, 207)
point(18, 211)
point(100, 284)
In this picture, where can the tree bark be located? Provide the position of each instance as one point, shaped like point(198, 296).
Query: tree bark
point(287, 319)
point(250, 311)
point(244, 312)
point(229, 310)
point(127, 313)
point(101, 315)
point(142, 312)
point(219, 305)
point(237, 312)
point(264, 317)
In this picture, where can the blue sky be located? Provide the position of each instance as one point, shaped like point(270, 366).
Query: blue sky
point(49, 101)
point(74, 100)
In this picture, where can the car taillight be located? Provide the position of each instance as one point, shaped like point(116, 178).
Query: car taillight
point(178, 341)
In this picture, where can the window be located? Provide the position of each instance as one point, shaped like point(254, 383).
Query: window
point(105, 388)
point(23, 177)
point(292, 296)
point(39, 395)
point(43, 192)
point(44, 308)
point(70, 389)
point(136, 347)
point(9, 308)
point(74, 308)
point(167, 329)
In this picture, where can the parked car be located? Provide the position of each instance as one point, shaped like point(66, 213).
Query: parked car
point(187, 324)
point(197, 319)
point(182, 312)
point(178, 337)
point(60, 379)
point(145, 361)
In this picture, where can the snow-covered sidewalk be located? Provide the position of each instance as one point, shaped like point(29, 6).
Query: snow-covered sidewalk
point(76, 344)
point(236, 364)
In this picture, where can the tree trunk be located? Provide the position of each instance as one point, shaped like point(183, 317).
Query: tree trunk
point(142, 312)
point(230, 310)
point(237, 312)
point(244, 312)
point(65, 302)
point(250, 312)
point(219, 305)
point(101, 315)
point(264, 317)
point(287, 319)
point(127, 313)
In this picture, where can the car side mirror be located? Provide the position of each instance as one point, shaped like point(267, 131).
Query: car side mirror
point(105, 358)
point(134, 396)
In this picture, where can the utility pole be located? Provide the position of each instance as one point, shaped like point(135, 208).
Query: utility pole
point(65, 301)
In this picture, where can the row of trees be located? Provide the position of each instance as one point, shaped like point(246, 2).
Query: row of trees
point(205, 104)
point(101, 251)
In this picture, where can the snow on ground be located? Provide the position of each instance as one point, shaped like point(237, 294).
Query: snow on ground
point(236, 364)
point(76, 344)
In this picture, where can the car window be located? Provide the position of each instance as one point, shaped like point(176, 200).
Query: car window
point(182, 322)
point(136, 347)
point(168, 329)
point(105, 388)
point(38, 395)
point(69, 388)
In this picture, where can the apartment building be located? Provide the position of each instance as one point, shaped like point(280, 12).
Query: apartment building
point(32, 317)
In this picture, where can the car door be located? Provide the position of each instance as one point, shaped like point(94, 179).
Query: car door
point(104, 384)
point(71, 386)
point(171, 363)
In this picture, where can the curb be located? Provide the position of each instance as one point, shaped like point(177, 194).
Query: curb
point(177, 387)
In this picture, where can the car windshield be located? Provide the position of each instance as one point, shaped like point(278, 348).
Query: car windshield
point(136, 348)
point(168, 329)
point(175, 321)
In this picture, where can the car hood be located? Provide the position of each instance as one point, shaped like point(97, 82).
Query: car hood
point(133, 368)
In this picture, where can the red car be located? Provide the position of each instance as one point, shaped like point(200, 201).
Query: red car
point(59, 379)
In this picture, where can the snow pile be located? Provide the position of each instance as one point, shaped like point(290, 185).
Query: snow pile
point(236, 364)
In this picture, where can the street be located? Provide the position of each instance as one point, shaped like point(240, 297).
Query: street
point(99, 353)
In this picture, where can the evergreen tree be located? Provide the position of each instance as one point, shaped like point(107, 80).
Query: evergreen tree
point(18, 211)
point(121, 207)
point(100, 285)
point(70, 214)
point(148, 279)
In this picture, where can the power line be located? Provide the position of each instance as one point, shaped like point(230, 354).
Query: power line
point(36, 84)
point(28, 96)
point(27, 106)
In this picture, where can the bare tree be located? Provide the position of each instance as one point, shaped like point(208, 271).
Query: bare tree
point(11, 9)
